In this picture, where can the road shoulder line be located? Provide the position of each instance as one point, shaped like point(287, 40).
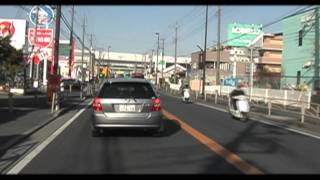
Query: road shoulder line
point(28, 158)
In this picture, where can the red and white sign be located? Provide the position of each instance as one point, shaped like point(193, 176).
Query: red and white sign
point(43, 38)
point(15, 29)
point(36, 59)
point(41, 54)
point(6, 28)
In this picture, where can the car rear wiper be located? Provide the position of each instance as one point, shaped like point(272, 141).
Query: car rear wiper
point(132, 97)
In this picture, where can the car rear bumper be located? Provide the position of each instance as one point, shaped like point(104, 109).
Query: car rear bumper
point(153, 120)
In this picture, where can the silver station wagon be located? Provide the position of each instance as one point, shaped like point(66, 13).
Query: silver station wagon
point(126, 103)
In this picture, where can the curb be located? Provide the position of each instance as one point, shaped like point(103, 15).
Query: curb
point(294, 128)
point(34, 129)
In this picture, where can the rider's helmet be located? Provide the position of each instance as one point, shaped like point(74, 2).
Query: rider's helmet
point(240, 85)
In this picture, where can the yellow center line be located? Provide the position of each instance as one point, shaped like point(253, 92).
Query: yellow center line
point(230, 157)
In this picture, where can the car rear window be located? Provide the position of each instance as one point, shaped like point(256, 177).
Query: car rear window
point(127, 90)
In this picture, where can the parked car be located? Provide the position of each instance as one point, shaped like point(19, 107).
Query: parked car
point(137, 75)
point(126, 103)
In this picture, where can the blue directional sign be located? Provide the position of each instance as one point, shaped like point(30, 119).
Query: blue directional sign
point(230, 82)
point(45, 15)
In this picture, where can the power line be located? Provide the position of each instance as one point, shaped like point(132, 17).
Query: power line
point(69, 27)
point(196, 30)
point(195, 15)
point(270, 23)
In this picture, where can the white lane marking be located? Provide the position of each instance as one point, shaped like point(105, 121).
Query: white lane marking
point(26, 160)
point(261, 121)
point(212, 107)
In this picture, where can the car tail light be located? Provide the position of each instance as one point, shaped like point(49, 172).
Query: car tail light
point(156, 104)
point(96, 105)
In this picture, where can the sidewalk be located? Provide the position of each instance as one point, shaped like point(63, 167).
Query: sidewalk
point(28, 115)
point(278, 117)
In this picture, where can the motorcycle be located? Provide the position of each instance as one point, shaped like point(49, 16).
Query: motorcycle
point(243, 107)
point(186, 96)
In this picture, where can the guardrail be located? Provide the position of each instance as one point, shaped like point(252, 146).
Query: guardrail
point(284, 97)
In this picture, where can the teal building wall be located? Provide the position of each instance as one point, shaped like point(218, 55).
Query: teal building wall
point(295, 56)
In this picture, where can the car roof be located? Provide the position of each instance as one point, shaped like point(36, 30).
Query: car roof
point(125, 80)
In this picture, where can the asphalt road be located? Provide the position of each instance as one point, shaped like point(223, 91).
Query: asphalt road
point(226, 145)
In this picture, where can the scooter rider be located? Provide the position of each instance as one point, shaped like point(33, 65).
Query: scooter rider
point(236, 92)
point(185, 89)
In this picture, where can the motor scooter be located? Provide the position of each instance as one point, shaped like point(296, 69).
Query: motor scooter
point(243, 107)
point(186, 96)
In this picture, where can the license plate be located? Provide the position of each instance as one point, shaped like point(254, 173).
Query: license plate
point(127, 108)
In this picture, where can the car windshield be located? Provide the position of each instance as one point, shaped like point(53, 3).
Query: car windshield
point(127, 90)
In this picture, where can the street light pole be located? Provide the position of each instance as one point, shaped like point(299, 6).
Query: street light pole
point(156, 66)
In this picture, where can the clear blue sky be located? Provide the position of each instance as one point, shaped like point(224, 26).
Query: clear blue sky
point(132, 28)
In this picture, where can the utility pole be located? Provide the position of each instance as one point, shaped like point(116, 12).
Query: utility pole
point(175, 55)
point(109, 64)
point(151, 63)
point(316, 61)
point(57, 38)
point(36, 54)
point(56, 49)
point(71, 41)
point(251, 73)
point(34, 44)
point(144, 63)
point(91, 58)
point(218, 49)
point(82, 52)
point(156, 66)
point(204, 55)
point(162, 58)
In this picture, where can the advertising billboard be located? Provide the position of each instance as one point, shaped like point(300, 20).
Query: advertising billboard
point(16, 29)
point(240, 35)
point(43, 38)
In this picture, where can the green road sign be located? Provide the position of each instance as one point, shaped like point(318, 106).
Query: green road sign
point(162, 62)
point(64, 50)
point(240, 35)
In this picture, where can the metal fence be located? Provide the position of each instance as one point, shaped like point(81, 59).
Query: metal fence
point(282, 97)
